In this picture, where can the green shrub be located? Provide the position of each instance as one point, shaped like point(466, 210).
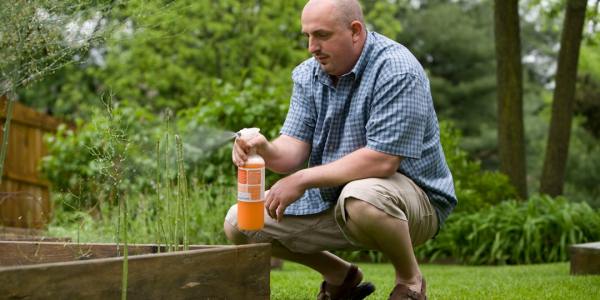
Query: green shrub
point(582, 176)
point(74, 161)
point(536, 231)
point(166, 54)
point(233, 109)
point(79, 161)
point(207, 207)
point(476, 189)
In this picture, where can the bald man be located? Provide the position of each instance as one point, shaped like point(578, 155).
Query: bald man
point(361, 114)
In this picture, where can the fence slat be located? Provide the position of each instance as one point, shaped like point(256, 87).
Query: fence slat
point(24, 195)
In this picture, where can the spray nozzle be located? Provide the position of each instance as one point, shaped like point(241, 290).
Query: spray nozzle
point(247, 133)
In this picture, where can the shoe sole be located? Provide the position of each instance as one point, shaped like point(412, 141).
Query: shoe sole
point(362, 290)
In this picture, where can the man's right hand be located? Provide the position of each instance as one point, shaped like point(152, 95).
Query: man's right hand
point(241, 148)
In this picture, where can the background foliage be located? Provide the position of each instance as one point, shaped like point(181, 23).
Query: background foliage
point(209, 68)
point(536, 231)
point(38, 38)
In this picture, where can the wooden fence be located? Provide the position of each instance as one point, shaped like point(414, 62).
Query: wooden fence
point(24, 195)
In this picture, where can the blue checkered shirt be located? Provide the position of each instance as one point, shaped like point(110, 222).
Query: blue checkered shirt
point(384, 103)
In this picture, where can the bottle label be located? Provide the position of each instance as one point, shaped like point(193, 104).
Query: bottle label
point(251, 184)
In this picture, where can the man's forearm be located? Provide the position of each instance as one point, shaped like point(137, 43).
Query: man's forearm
point(362, 163)
point(285, 154)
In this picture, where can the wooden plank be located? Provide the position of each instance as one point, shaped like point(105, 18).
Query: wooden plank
point(10, 175)
point(25, 150)
point(585, 258)
point(15, 253)
point(27, 116)
point(18, 157)
point(237, 272)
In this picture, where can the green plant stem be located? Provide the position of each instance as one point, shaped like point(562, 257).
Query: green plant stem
point(125, 251)
point(157, 237)
point(182, 187)
point(159, 207)
point(165, 235)
point(169, 217)
point(177, 212)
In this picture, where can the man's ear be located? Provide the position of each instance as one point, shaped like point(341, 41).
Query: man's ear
point(357, 29)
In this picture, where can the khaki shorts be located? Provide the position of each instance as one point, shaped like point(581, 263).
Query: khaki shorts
point(398, 196)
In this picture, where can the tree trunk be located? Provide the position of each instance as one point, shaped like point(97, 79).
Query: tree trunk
point(553, 174)
point(511, 140)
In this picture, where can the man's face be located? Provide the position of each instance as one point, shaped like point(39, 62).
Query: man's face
point(329, 41)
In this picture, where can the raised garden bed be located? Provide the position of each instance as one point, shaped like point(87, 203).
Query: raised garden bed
point(53, 270)
point(585, 259)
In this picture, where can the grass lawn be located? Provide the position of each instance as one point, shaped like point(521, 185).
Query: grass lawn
point(546, 281)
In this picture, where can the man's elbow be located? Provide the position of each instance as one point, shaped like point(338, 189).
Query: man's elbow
point(280, 169)
point(389, 167)
point(388, 171)
point(286, 167)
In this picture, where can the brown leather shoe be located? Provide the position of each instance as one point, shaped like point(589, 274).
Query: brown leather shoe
point(350, 289)
point(402, 292)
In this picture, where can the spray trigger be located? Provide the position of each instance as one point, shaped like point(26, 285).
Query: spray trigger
point(247, 133)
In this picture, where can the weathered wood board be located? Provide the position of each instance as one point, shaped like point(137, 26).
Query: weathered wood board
point(24, 193)
point(585, 258)
point(216, 272)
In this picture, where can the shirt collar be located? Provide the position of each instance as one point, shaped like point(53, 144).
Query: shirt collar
point(360, 65)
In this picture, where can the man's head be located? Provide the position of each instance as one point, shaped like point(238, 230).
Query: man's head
point(336, 33)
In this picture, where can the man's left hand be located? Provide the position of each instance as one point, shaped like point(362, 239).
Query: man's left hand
point(283, 193)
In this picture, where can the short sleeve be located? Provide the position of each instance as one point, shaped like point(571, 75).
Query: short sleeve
point(398, 116)
point(300, 120)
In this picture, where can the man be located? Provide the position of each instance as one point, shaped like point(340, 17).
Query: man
point(361, 113)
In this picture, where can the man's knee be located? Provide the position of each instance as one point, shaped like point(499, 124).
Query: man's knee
point(233, 234)
point(361, 211)
point(360, 221)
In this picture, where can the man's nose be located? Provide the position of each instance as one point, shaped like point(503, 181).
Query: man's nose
point(313, 45)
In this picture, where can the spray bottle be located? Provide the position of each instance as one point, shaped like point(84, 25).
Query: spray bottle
point(251, 187)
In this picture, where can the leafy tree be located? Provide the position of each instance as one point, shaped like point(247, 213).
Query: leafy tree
point(547, 14)
point(385, 17)
point(37, 38)
point(460, 62)
point(172, 55)
point(587, 92)
point(177, 54)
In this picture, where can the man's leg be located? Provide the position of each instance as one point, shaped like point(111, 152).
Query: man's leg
point(390, 215)
point(378, 230)
point(332, 268)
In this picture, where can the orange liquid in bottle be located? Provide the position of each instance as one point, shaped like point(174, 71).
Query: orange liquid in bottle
point(251, 203)
point(251, 215)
